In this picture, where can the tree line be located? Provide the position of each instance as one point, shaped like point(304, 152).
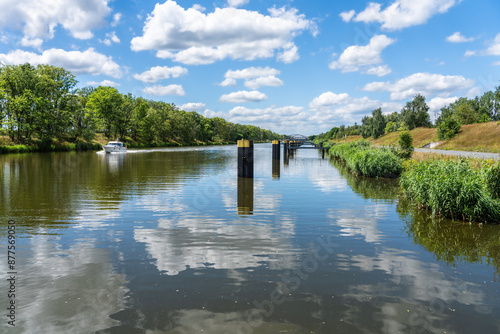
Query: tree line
point(415, 113)
point(42, 103)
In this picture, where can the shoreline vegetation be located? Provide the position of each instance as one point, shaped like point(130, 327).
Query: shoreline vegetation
point(93, 146)
point(452, 187)
point(41, 110)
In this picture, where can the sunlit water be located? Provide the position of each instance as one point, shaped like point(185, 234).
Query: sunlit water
point(170, 241)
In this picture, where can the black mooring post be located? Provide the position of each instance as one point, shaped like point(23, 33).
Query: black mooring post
point(276, 169)
point(245, 158)
point(276, 149)
point(245, 196)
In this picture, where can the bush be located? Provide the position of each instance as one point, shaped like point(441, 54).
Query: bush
point(448, 128)
point(362, 159)
point(405, 142)
point(390, 127)
point(450, 188)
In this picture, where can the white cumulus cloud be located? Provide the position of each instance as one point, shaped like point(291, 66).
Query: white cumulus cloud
point(328, 100)
point(86, 62)
point(252, 72)
point(103, 83)
point(347, 16)
point(364, 58)
point(331, 108)
point(31, 42)
point(229, 82)
point(263, 81)
point(274, 118)
point(193, 37)
point(255, 77)
point(40, 18)
point(438, 102)
point(422, 83)
point(110, 39)
point(401, 13)
point(243, 96)
point(159, 90)
point(193, 106)
point(116, 19)
point(459, 38)
point(237, 3)
point(494, 48)
point(160, 72)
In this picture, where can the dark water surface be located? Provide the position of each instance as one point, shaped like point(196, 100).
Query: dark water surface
point(170, 241)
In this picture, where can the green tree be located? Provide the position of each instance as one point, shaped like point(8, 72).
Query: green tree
point(53, 96)
point(19, 84)
point(416, 113)
point(138, 117)
point(405, 142)
point(106, 103)
point(448, 128)
point(83, 122)
point(378, 123)
point(390, 127)
point(367, 126)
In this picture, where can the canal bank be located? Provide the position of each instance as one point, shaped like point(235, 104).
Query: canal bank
point(461, 189)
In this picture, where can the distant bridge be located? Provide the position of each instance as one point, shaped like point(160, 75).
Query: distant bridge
point(297, 141)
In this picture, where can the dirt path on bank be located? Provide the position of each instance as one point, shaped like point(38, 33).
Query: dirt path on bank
point(479, 155)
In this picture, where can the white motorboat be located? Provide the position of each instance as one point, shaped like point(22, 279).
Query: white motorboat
point(115, 146)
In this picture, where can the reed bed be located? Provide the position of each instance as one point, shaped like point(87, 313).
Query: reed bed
point(362, 159)
point(454, 188)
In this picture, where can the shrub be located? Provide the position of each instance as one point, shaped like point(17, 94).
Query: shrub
point(405, 142)
point(451, 189)
point(448, 128)
point(390, 127)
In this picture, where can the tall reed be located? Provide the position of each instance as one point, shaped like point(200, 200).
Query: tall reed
point(365, 160)
point(452, 189)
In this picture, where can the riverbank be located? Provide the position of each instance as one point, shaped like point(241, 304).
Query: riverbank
point(7, 146)
point(449, 186)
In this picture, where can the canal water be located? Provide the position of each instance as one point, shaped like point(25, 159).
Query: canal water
point(170, 241)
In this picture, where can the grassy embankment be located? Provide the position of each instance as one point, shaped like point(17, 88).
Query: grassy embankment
point(482, 137)
point(466, 189)
point(7, 146)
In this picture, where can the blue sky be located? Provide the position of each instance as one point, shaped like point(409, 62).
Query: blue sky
point(291, 66)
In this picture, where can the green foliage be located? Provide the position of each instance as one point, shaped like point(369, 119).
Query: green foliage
point(365, 160)
point(448, 128)
point(491, 175)
point(481, 109)
point(390, 127)
point(451, 189)
point(39, 106)
point(36, 100)
point(405, 142)
point(106, 103)
point(403, 127)
point(378, 124)
point(416, 113)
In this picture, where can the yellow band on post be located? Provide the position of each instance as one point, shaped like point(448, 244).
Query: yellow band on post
point(243, 143)
point(276, 142)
